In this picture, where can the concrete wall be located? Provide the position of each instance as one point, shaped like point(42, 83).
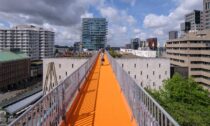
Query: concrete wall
point(63, 66)
point(147, 72)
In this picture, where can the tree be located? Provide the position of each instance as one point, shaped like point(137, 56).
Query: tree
point(185, 100)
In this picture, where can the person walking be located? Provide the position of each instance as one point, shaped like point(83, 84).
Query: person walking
point(102, 57)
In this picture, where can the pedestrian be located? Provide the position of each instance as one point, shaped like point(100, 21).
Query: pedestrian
point(102, 57)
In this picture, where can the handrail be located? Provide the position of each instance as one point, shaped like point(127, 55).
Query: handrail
point(51, 108)
point(145, 109)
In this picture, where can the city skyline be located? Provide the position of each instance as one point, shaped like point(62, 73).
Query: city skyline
point(127, 19)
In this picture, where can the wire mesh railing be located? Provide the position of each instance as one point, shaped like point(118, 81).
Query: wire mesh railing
point(145, 110)
point(50, 110)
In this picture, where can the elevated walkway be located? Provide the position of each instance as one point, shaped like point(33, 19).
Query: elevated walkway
point(100, 102)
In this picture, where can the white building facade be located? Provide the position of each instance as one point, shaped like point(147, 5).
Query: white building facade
point(147, 72)
point(36, 42)
point(63, 67)
point(140, 53)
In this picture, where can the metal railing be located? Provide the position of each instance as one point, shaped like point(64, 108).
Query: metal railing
point(50, 110)
point(145, 110)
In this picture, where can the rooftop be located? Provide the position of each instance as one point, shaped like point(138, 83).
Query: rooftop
point(6, 56)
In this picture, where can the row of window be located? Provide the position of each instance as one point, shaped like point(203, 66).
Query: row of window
point(191, 55)
point(199, 69)
point(72, 65)
point(201, 76)
point(141, 73)
point(177, 60)
point(200, 62)
point(184, 48)
point(147, 65)
point(192, 42)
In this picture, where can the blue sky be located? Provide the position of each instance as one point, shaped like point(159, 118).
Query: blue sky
point(127, 18)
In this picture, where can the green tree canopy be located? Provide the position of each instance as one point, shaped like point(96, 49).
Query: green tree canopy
point(185, 100)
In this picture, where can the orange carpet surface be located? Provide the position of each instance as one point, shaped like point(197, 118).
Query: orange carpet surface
point(100, 102)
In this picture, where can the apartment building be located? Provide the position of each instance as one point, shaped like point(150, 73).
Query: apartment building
point(94, 32)
point(36, 42)
point(195, 19)
point(14, 69)
point(206, 14)
point(147, 72)
point(192, 52)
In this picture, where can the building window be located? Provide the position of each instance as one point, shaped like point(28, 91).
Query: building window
point(153, 84)
point(141, 83)
point(128, 72)
point(147, 76)
point(59, 76)
point(141, 72)
point(153, 72)
point(147, 65)
point(134, 65)
point(159, 76)
point(135, 76)
point(66, 73)
point(122, 65)
point(165, 72)
point(59, 65)
point(72, 65)
point(159, 65)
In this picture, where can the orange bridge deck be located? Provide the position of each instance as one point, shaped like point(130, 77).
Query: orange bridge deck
point(100, 101)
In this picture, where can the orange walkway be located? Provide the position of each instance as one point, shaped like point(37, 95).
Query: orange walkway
point(100, 102)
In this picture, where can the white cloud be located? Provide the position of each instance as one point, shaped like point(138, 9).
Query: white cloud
point(155, 21)
point(120, 25)
point(87, 15)
point(109, 12)
point(159, 25)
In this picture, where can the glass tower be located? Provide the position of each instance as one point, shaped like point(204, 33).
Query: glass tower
point(94, 31)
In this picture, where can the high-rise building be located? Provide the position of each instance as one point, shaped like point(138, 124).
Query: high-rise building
point(135, 43)
point(36, 42)
point(185, 27)
point(206, 13)
point(152, 43)
point(94, 32)
point(143, 44)
point(191, 54)
point(173, 35)
point(195, 19)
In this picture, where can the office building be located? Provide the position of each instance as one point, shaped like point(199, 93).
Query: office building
point(128, 46)
point(192, 53)
point(94, 33)
point(77, 46)
point(143, 44)
point(147, 72)
point(152, 43)
point(36, 42)
point(14, 69)
point(206, 13)
point(195, 19)
point(185, 27)
point(135, 43)
point(173, 35)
